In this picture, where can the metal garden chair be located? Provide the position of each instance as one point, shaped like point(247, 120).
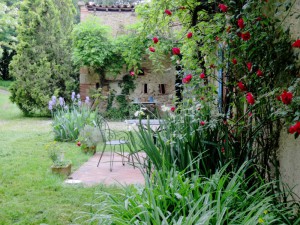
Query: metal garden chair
point(111, 139)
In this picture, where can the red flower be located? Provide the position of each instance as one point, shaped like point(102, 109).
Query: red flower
point(250, 99)
point(168, 12)
point(155, 40)
point(241, 86)
point(259, 73)
point(152, 49)
point(202, 75)
point(234, 61)
point(240, 23)
point(250, 114)
point(278, 97)
point(217, 38)
point(286, 97)
point(187, 78)
point(223, 7)
point(202, 98)
point(78, 143)
point(223, 150)
point(189, 35)
point(249, 66)
point(295, 128)
point(296, 44)
point(131, 73)
point(202, 123)
point(173, 108)
point(245, 36)
point(176, 51)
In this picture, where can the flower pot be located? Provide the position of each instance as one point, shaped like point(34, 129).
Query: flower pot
point(63, 170)
point(90, 150)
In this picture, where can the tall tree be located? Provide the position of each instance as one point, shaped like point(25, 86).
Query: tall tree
point(8, 23)
point(42, 66)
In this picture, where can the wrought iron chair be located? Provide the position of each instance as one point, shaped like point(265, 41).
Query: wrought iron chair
point(109, 138)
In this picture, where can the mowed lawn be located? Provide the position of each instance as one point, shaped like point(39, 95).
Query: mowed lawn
point(29, 192)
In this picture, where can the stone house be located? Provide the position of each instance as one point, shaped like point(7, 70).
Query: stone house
point(149, 85)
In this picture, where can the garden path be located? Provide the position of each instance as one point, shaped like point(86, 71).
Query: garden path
point(89, 174)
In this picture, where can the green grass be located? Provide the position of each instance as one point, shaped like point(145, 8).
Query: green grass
point(29, 192)
point(5, 84)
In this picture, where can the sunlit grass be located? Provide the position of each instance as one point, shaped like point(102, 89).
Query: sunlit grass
point(29, 192)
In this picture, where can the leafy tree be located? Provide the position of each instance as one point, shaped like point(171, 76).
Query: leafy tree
point(8, 23)
point(93, 48)
point(42, 66)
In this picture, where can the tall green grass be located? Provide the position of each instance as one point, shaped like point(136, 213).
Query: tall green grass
point(175, 198)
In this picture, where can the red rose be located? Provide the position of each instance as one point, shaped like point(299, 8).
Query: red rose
point(176, 51)
point(296, 44)
point(152, 49)
point(278, 98)
point(295, 128)
point(249, 66)
point(234, 61)
point(78, 143)
point(173, 108)
point(250, 99)
point(189, 35)
point(241, 86)
point(292, 129)
point(286, 97)
point(202, 75)
point(168, 12)
point(223, 150)
point(131, 73)
point(202, 123)
point(187, 78)
point(155, 40)
point(223, 7)
point(245, 36)
point(240, 23)
point(259, 73)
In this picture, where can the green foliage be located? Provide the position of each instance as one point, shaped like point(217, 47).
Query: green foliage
point(56, 155)
point(89, 136)
point(43, 63)
point(68, 122)
point(175, 199)
point(123, 109)
point(93, 47)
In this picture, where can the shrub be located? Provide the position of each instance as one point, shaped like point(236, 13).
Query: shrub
point(42, 64)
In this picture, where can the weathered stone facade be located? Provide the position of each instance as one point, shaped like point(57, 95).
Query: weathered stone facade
point(289, 147)
point(160, 87)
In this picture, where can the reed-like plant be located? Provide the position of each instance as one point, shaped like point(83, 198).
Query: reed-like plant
point(175, 198)
point(68, 121)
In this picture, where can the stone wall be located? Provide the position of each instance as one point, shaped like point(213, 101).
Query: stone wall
point(289, 148)
point(89, 79)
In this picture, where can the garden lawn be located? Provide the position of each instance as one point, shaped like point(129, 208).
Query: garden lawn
point(29, 192)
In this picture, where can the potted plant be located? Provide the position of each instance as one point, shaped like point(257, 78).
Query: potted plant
point(88, 139)
point(60, 164)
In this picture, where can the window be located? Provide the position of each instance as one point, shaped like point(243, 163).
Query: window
point(162, 89)
point(145, 88)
